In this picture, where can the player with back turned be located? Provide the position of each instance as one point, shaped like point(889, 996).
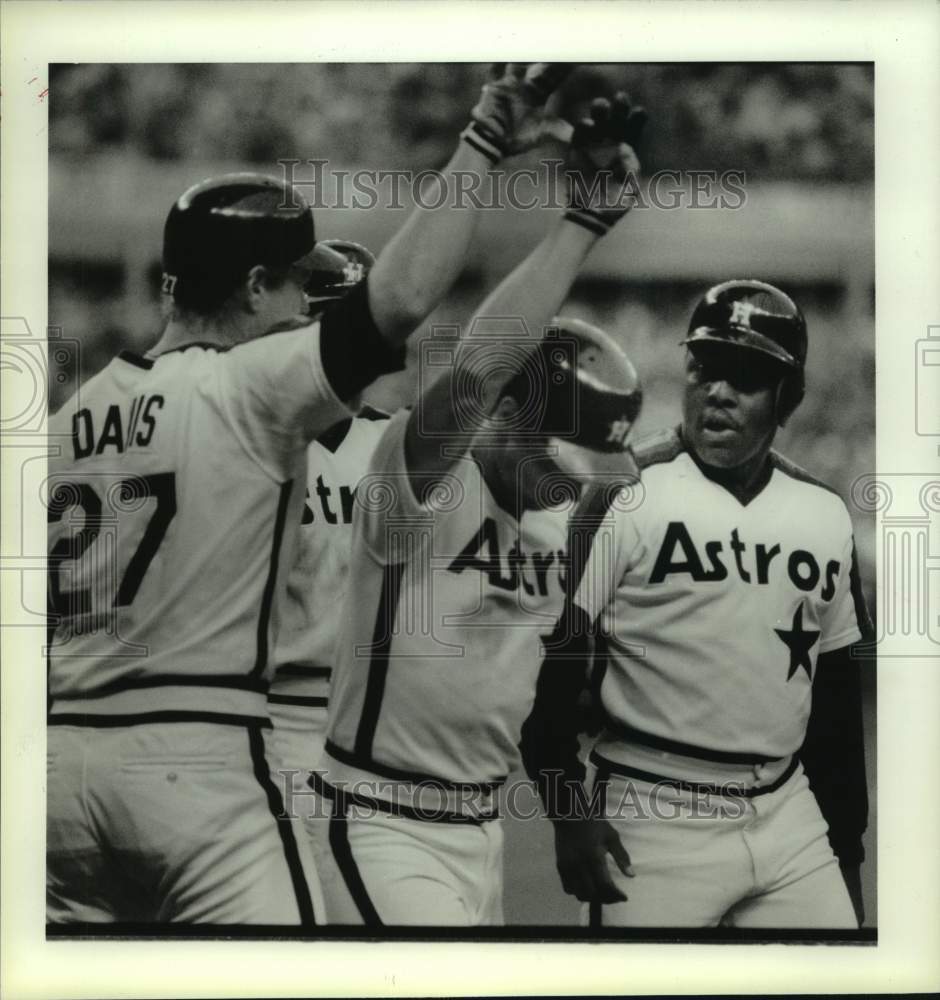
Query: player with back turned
point(457, 572)
point(722, 596)
point(174, 508)
point(316, 583)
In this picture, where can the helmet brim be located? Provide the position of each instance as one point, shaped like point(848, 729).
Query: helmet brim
point(740, 338)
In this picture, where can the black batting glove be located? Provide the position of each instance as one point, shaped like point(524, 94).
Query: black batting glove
point(600, 162)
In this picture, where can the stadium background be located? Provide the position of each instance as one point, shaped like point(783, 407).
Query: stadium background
point(125, 140)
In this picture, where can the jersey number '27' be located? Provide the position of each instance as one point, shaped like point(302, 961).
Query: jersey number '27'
point(161, 486)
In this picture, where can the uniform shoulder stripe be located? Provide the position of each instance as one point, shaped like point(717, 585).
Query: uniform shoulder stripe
point(334, 436)
point(794, 471)
point(132, 358)
point(658, 447)
point(371, 413)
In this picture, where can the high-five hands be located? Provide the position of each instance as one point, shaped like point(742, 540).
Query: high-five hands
point(601, 161)
point(510, 116)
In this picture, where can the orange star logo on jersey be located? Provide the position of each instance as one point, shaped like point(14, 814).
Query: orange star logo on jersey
point(799, 641)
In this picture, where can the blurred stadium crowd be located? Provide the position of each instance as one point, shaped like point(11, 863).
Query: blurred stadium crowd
point(780, 121)
point(804, 128)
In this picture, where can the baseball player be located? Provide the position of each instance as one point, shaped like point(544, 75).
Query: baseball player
point(316, 583)
point(457, 569)
point(173, 506)
point(724, 593)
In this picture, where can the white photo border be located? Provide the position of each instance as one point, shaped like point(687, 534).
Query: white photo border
point(903, 40)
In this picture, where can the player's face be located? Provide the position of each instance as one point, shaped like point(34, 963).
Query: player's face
point(536, 470)
point(283, 300)
point(729, 405)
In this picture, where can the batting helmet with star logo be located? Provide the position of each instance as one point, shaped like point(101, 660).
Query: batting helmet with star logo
point(338, 266)
point(755, 316)
point(590, 393)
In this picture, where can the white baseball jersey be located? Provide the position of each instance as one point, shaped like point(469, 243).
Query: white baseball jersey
point(447, 602)
point(316, 582)
point(714, 611)
point(171, 505)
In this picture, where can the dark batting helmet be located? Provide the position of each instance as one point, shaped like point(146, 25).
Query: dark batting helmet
point(754, 316)
point(587, 390)
point(222, 227)
point(338, 266)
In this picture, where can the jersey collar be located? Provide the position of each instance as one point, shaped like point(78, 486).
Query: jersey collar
point(717, 476)
point(132, 358)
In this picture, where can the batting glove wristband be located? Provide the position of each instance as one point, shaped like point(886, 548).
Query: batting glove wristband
point(510, 116)
point(601, 159)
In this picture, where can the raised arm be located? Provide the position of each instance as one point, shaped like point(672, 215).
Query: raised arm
point(422, 261)
point(520, 308)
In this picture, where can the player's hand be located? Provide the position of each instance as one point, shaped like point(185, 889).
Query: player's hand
point(510, 115)
point(602, 163)
point(852, 874)
point(581, 850)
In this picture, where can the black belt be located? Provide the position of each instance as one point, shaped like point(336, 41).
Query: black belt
point(108, 720)
point(606, 767)
point(346, 799)
point(630, 735)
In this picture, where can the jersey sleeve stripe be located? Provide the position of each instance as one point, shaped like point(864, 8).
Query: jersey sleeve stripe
point(284, 828)
point(307, 701)
point(378, 665)
point(862, 617)
point(264, 617)
point(304, 670)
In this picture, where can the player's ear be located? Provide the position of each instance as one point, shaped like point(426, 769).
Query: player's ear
point(506, 409)
point(789, 395)
point(255, 288)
